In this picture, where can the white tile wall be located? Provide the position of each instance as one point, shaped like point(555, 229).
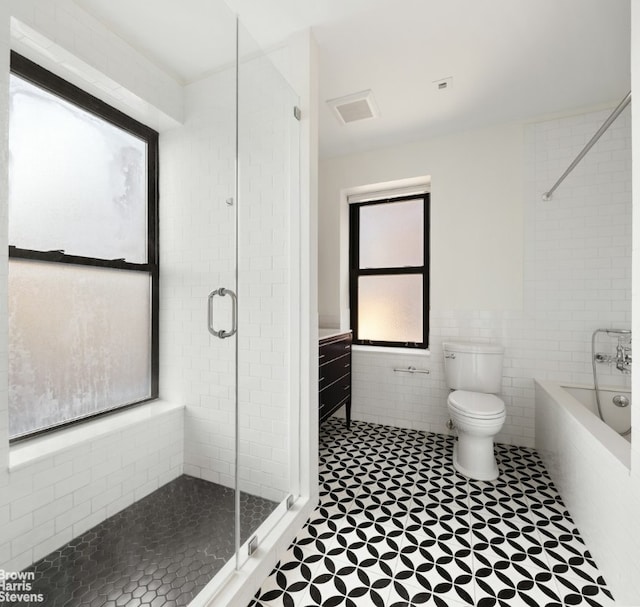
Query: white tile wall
point(578, 245)
point(197, 256)
point(52, 498)
point(577, 278)
point(198, 242)
point(268, 298)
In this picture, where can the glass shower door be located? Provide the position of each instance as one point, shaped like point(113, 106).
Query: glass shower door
point(268, 294)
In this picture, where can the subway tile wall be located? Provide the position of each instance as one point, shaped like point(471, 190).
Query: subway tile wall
point(197, 256)
point(51, 500)
point(198, 238)
point(577, 278)
point(268, 279)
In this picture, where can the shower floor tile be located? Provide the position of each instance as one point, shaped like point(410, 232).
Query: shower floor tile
point(397, 526)
point(160, 551)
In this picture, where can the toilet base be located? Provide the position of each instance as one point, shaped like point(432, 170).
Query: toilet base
point(474, 458)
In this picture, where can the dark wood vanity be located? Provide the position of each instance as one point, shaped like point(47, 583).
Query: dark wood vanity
point(335, 373)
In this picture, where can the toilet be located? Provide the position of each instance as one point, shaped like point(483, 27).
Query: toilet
point(473, 371)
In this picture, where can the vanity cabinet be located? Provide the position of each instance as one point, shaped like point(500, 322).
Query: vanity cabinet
point(335, 375)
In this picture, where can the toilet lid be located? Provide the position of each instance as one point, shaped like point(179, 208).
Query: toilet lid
point(476, 404)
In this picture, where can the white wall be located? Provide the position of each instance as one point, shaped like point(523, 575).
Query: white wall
point(536, 276)
point(577, 246)
point(476, 216)
point(198, 256)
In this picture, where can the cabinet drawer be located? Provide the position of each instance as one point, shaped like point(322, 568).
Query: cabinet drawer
point(328, 410)
point(334, 349)
point(336, 391)
point(335, 394)
point(334, 370)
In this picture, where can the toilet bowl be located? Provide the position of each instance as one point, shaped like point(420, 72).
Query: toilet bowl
point(473, 371)
point(477, 417)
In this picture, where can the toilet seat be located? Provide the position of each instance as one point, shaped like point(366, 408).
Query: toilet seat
point(476, 405)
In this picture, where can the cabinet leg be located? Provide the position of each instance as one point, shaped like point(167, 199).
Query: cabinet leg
point(348, 412)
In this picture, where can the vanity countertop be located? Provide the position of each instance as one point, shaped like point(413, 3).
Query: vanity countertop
point(323, 333)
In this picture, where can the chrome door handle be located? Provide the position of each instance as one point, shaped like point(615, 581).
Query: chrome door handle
point(234, 313)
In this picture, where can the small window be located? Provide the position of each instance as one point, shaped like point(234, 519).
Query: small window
point(389, 277)
point(83, 254)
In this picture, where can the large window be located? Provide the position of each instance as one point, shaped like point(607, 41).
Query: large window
point(83, 254)
point(389, 277)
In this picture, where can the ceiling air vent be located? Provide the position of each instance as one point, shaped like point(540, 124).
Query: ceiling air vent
point(359, 106)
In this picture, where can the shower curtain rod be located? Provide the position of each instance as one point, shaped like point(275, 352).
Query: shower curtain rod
point(607, 123)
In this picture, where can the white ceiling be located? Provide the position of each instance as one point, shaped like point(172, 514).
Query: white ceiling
point(508, 59)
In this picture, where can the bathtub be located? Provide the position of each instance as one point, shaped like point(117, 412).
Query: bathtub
point(618, 418)
point(570, 408)
point(590, 465)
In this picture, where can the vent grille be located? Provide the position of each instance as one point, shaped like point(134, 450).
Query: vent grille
point(351, 108)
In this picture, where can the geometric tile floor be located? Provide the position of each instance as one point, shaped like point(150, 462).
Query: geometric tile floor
point(159, 552)
point(397, 526)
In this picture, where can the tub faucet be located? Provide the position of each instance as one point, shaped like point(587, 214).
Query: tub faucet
point(623, 358)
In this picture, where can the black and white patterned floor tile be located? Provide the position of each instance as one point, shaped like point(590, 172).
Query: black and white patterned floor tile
point(397, 526)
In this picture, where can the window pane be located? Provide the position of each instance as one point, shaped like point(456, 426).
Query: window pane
point(79, 342)
point(390, 308)
point(76, 182)
point(392, 234)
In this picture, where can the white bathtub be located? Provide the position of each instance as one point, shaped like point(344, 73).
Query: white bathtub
point(618, 418)
point(577, 406)
point(589, 463)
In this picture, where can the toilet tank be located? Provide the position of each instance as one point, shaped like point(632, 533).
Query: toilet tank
point(473, 366)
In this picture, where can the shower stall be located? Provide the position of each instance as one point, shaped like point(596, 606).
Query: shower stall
point(230, 278)
point(204, 482)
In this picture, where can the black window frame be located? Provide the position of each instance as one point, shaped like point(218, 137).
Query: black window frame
point(50, 82)
point(355, 271)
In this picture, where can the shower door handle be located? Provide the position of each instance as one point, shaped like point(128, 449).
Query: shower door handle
point(234, 313)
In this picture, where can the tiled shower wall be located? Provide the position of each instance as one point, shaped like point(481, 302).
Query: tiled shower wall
point(197, 236)
point(268, 278)
point(198, 256)
point(577, 277)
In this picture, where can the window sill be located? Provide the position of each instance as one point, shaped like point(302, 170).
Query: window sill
point(43, 447)
point(386, 350)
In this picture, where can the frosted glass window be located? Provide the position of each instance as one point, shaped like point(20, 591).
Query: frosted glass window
point(389, 271)
point(83, 254)
point(76, 182)
point(79, 342)
point(392, 234)
point(390, 308)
